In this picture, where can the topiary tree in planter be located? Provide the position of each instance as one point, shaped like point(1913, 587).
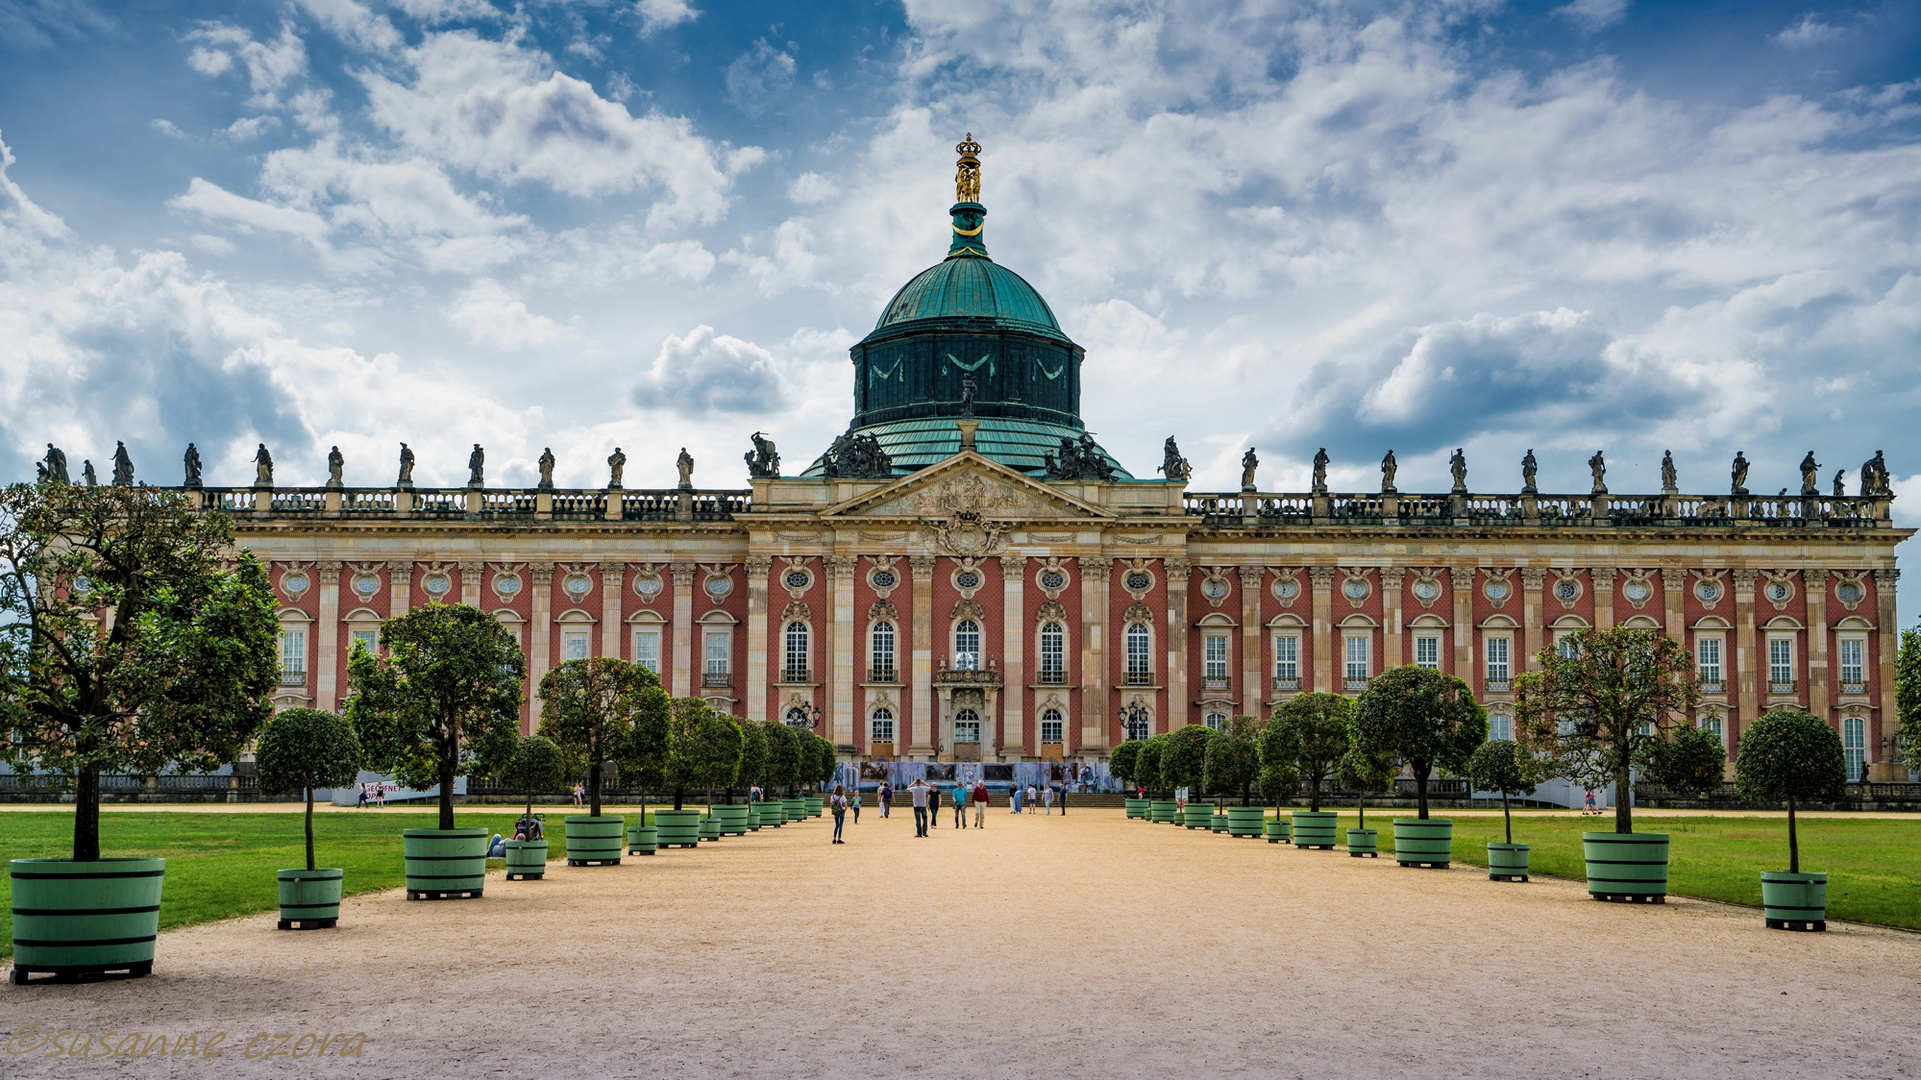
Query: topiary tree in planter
point(304, 749)
point(1364, 774)
point(1232, 761)
point(1147, 765)
point(782, 771)
point(705, 748)
point(587, 708)
point(443, 702)
point(1279, 748)
point(1690, 761)
point(536, 765)
point(1505, 766)
point(1788, 756)
point(1319, 727)
point(1184, 759)
point(753, 756)
point(827, 761)
point(650, 743)
point(1122, 763)
point(1425, 718)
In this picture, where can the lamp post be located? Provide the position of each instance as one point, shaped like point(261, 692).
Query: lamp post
point(1134, 715)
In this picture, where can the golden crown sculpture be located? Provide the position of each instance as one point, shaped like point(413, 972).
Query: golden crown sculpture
point(967, 176)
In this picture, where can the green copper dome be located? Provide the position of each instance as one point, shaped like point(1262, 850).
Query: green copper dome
point(971, 287)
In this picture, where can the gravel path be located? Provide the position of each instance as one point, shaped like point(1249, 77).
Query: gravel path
point(1036, 947)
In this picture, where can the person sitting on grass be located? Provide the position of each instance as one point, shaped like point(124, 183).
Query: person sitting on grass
point(497, 848)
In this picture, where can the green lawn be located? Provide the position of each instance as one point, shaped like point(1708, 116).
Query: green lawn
point(222, 864)
point(1873, 864)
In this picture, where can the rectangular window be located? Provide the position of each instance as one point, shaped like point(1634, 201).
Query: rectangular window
point(716, 658)
point(1356, 667)
point(1497, 662)
point(1214, 658)
point(1500, 726)
point(293, 656)
point(793, 666)
point(967, 731)
point(1427, 651)
point(1140, 658)
point(574, 644)
point(1854, 674)
point(1854, 743)
point(1707, 662)
point(1287, 662)
point(1567, 645)
point(368, 640)
point(647, 649)
point(880, 658)
point(1050, 731)
point(1781, 665)
point(1054, 653)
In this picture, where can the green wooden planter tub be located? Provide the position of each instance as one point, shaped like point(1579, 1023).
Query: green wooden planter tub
point(642, 839)
point(710, 828)
point(1364, 843)
point(310, 899)
point(1794, 901)
point(1315, 828)
point(1217, 822)
point(814, 805)
point(678, 828)
point(1136, 808)
point(74, 920)
point(770, 813)
point(793, 809)
point(753, 817)
point(1276, 830)
point(526, 859)
point(445, 864)
point(732, 819)
point(1507, 862)
point(594, 841)
point(1163, 811)
point(1427, 843)
point(1198, 815)
point(1245, 820)
point(1627, 867)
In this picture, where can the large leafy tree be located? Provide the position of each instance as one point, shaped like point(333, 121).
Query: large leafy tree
point(826, 761)
point(704, 751)
point(1278, 747)
point(1184, 760)
point(1319, 728)
point(783, 756)
point(537, 765)
point(1123, 762)
point(1600, 698)
point(1364, 773)
point(652, 741)
point(1505, 766)
point(1907, 695)
point(588, 708)
point(1148, 765)
point(443, 702)
point(1232, 761)
point(1425, 718)
point(131, 638)
point(753, 756)
point(304, 749)
point(1789, 756)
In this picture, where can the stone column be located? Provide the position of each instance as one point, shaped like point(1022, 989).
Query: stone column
point(924, 714)
point(681, 677)
point(1603, 580)
point(1533, 623)
point(1816, 583)
point(756, 644)
point(1013, 650)
point(1094, 703)
point(1393, 635)
point(400, 583)
point(1886, 721)
point(613, 577)
point(1321, 578)
point(1746, 658)
point(840, 578)
point(540, 647)
point(1252, 578)
point(1460, 580)
point(470, 584)
point(327, 640)
point(1175, 715)
point(1674, 584)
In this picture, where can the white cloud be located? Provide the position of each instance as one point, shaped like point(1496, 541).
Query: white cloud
point(270, 65)
point(502, 112)
point(704, 372)
point(214, 245)
point(1593, 15)
point(167, 128)
point(439, 11)
point(758, 78)
point(1807, 33)
point(250, 127)
point(658, 15)
point(811, 187)
point(491, 316)
point(354, 23)
point(790, 266)
point(209, 62)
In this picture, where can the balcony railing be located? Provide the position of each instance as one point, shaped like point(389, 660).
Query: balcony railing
point(1498, 686)
point(1287, 683)
point(1850, 686)
point(716, 678)
point(293, 676)
point(794, 675)
point(489, 504)
point(1217, 682)
point(882, 674)
point(1138, 678)
point(1780, 686)
point(967, 677)
point(1714, 686)
point(1534, 511)
point(1353, 685)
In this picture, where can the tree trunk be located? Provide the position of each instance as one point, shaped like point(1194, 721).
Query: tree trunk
point(310, 863)
point(530, 804)
point(1420, 791)
point(1794, 843)
point(593, 789)
point(1360, 807)
point(1314, 794)
point(1623, 810)
point(1506, 819)
point(676, 798)
point(447, 791)
point(86, 815)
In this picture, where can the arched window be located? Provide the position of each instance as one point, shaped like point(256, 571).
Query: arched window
point(794, 656)
point(1854, 743)
point(1140, 655)
point(967, 645)
point(1053, 653)
point(1217, 721)
point(1052, 729)
point(881, 726)
point(967, 726)
point(880, 653)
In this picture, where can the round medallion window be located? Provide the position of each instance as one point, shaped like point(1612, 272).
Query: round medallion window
point(1214, 588)
point(1427, 590)
point(882, 579)
point(798, 579)
point(1496, 591)
point(507, 584)
point(1848, 592)
point(294, 584)
point(1287, 588)
point(1779, 591)
point(1567, 591)
point(367, 584)
point(647, 585)
point(718, 587)
point(968, 579)
point(1708, 590)
point(82, 585)
point(437, 585)
point(1636, 591)
point(1139, 581)
point(1053, 579)
point(1355, 589)
point(578, 585)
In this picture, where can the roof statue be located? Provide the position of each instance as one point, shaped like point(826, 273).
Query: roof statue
point(56, 466)
point(616, 467)
point(191, 460)
point(406, 478)
point(967, 174)
point(546, 468)
point(87, 473)
point(1739, 486)
point(1079, 460)
point(1597, 467)
point(1670, 481)
point(1457, 466)
point(1810, 475)
point(335, 465)
point(122, 466)
point(1320, 471)
point(857, 456)
point(477, 467)
point(1529, 469)
point(685, 463)
point(1388, 468)
point(1173, 465)
point(1841, 483)
point(763, 461)
point(263, 467)
point(1250, 461)
point(1874, 476)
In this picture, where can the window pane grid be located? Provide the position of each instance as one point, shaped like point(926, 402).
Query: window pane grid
point(1781, 665)
point(1427, 651)
point(793, 666)
point(293, 656)
point(967, 645)
point(1355, 655)
point(880, 660)
point(1497, 662)
point(1707, 656)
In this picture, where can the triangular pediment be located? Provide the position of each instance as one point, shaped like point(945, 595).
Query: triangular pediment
point(966, 484)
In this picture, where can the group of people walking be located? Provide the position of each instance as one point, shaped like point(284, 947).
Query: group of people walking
point(926, 801)
point(1024, 801)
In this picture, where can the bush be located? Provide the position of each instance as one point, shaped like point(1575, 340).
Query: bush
point(1121, 764)
point(1147, 766)
point(1792, 757)
point(1691, 762)
point(1505, 766)
point(1364, 773)
point(304, 749)
point(1279, 749)
point(783, 756)
point(1425, 718)
point(1184, 761)
point(1233, 760)
point(1319, 727)
point(705, 748)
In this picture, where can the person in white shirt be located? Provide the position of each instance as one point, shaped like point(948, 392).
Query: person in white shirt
point(918, 791)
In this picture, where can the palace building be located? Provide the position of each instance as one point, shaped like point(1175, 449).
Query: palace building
point(966, 575)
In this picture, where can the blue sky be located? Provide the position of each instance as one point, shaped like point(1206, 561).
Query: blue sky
point(1559, 226)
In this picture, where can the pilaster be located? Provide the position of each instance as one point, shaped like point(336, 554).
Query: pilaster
point(613, 577)
point(470, 584)
point(1251, 681)
point(1533, 633)
point(1815, 581)
point(1747, 690)
point(757, 644)
point(840, 578)
point(1175, 715)
point(1603, 579)
point(682, 676)
point(1095, 572)
point(1013, 654)
point(400, 583)
point(1886, 722)
point(924, 716)
point(327, 640)
point(541, 578)
point(1460, 580)
point(1321, 580)
point(1393, 635)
